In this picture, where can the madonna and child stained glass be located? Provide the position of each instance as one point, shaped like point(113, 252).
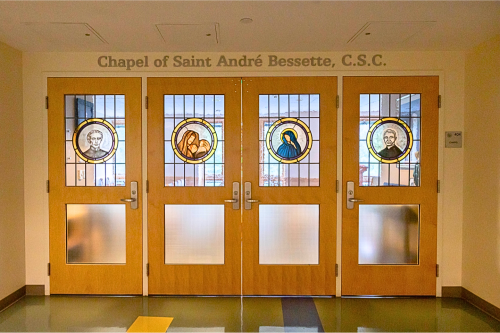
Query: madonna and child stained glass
point(194, 140)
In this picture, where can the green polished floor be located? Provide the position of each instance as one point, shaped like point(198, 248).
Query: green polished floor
point(248, 314)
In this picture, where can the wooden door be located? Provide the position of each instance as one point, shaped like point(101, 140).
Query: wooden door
point(289, 160)
point(94, 127)
point(194, 158)
point(390, 156)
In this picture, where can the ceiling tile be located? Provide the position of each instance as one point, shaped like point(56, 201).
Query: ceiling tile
point(189, 36)
point(388, 33)
point(67, 35)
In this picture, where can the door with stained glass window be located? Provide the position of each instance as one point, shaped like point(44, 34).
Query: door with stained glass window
point(390, 149)
point(194, 168)
point(289, 171)
point(94, 130)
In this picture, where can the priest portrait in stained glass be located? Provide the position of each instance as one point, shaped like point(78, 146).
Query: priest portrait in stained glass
point(389, 140)
point(95, 140)
point(391, 149)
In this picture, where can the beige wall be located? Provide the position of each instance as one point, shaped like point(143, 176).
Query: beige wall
point(448, 65)
point(12, 260)
point(481, 241)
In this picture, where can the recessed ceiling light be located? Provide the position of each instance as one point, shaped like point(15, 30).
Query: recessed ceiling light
point(246, 20)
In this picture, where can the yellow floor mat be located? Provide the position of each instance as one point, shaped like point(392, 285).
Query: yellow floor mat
point(150, 324)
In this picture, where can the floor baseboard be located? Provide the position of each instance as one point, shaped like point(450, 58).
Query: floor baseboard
point(478, 302)
point(35, 290)
point(453, 292)
point(12, 298)
point(481, 304)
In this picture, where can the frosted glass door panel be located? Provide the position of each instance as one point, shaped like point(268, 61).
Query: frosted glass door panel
point(388, 234)
point(194, 234)
point(96, 234)
point(288, 234)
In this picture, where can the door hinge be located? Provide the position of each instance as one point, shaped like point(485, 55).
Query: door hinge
point(336, 270)
point(48, 269)
point(46, 102)
point(437, 270)
point(146, 102)
point(338, 101)
point(439, 101)
point(147, 269)
point(439, 186)
point(337, 187)
point(147, 186)
point(48, 186)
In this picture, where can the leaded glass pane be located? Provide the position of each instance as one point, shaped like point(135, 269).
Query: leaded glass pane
point(194, 140)
point(289, 140)
point(95, 140)
point(389, 139)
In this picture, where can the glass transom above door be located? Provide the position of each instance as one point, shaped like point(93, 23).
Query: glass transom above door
point(289, 140)
point(194, 140)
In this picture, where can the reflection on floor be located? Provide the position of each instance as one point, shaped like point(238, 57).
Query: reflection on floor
point(248, 314)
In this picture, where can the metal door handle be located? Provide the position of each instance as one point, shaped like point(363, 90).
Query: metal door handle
point(236, 196)
point(350, 196)
point(248, 196)
point(134, 196)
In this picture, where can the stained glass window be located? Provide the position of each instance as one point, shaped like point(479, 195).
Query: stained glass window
point(289, 140)
point(194, 140)
point(95, 140)
point(389, 140)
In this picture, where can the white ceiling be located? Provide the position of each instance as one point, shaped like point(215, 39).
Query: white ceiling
point(287, 26)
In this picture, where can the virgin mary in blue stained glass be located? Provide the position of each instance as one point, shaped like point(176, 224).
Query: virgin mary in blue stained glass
point(290, 148)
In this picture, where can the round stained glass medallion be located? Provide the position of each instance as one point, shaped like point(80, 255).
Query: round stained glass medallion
point(194, 140)
point(95, 140)
point(389, 140)
point(289, 140)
